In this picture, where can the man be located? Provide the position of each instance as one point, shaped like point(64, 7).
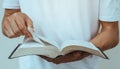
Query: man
point(61, 20)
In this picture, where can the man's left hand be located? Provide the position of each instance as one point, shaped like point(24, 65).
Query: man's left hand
point(74, 56)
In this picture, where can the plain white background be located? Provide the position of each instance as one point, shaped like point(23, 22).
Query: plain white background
point(7, 45)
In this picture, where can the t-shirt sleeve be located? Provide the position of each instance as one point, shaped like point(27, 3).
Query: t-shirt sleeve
point(11, 4)
point(109, 10)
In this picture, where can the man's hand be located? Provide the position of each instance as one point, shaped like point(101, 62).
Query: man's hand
point(74, 56)
point(16, 24)
point(71, 57)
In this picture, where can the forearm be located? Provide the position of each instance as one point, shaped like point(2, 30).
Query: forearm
point(108, 37)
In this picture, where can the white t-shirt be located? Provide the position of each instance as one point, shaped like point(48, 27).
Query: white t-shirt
point(60, 20)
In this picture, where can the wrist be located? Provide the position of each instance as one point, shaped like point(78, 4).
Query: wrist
point(9, 12)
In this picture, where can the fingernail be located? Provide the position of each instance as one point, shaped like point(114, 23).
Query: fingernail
point(30, 28)
point(29, 38)
point(77, 54)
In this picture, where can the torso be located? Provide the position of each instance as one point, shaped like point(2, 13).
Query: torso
point(61, 20)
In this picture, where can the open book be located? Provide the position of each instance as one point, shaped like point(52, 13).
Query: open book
point(41, 46)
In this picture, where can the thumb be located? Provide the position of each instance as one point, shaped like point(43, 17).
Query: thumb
point(29, 24)
point(77, 54)
point(29, 28)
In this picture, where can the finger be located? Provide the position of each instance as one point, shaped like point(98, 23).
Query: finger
point(6, 33)
point(4, 29)
point(74, 56)
point(27, 33)
point(10, 33)
point(46, 58)
point(14, 26)
point(23, 26)
point(29, 22)
point(29, 25)
point(78, 55)
point(7, 29)
point(58, 60)
point(19, 21)
point(85, 54)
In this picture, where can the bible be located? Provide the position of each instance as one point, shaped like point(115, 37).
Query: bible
point(42, 46)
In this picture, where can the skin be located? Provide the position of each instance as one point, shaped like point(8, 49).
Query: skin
point(15, 24)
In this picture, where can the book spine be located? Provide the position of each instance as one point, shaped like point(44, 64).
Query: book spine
point(10, 57)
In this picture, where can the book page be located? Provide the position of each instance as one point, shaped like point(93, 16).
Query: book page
point(34, 48)
point(48, 41)
point(41, 39)
point(49, 51)
point(31, 43)
point(77, 43)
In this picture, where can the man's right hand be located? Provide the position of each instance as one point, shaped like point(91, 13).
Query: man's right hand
point(16, 24)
